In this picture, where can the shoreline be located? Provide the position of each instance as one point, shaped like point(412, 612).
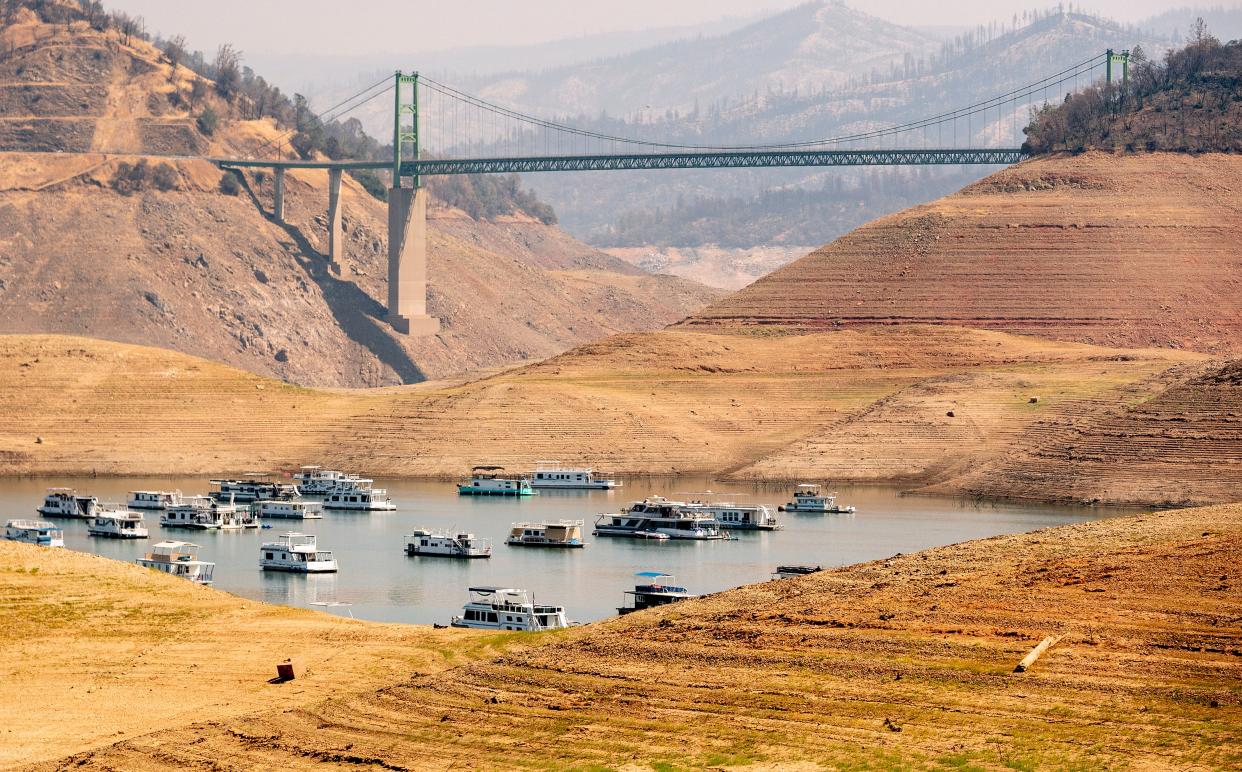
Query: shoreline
point(924, 642)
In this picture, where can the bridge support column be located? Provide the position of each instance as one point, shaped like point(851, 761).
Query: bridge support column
point(278, 206)
point(336, 245)
point(407, 262)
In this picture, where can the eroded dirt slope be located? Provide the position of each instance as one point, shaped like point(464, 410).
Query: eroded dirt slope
point(901, 663)
point(113, 650)
point(183, 266)
point(1180, 445)
point(1125, 250)
point(846, 405)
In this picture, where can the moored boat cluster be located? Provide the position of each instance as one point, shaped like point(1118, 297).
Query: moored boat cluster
point(245, 503)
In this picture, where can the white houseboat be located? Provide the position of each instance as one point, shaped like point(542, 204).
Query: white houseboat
point(549, 533)
point(37, 532)
point(206, 514)
point(358, 495)
point(808, 498)
point(499, 608)
point(287, 510)
point(117, 524)
point(253, 487)
point(488, 481)
point(154, 499)
point(439, 544)
point(316, 481)
point(296, 553)
point(65, 502)
point(550, 474)
point(659, 517)
point(654, 588)
point(178, 558)
point(736, 517)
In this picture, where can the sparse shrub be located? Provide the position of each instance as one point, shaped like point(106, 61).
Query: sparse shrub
point(229, 184)
point(165, 177)
point(208, 121)
point(131, 178)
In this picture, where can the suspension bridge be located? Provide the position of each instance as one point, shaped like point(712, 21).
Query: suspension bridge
point(458, 133)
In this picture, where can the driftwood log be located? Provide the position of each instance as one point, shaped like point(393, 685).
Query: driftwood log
point(1036, 653)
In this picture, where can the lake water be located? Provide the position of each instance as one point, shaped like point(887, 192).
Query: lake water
point(379, 582)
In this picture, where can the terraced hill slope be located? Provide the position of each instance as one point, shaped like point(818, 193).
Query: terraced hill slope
point(114, 650)
point(1182, 445)
point(1125, 250)
point(866, 405)
point(906, 662)
point(172, 261)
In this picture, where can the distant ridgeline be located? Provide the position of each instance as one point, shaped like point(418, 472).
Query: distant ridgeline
point(228, 90)
point(1191, 102)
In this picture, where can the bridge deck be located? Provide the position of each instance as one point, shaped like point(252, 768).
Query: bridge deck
point(639, 161)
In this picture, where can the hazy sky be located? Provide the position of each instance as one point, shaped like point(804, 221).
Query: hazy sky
point(374, 26)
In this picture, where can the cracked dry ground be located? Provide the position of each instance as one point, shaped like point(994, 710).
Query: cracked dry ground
point(905, 662)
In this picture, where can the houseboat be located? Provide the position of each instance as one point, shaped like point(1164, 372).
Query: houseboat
point(792, 572)
point(550, 533)
point(178, 558)
point(736, 517)
point(357, 494)
point(296, 553)
point(439, 544)
point(206, 514)
point(659, 516)
point(550, 474)
point(117, 524)
point(65, 502)
point(499, 608)
point(653, 588)
point(487, 481)
point(253, 487)
point(287, 510)
point(154, 499)
point(37, 532)
point(316, 481)
point(807, 498)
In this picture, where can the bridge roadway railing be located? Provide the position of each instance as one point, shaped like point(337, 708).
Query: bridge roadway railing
point(736, 159)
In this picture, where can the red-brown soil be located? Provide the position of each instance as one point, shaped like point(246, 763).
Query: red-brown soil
point(900, 663)
point(1117, 250)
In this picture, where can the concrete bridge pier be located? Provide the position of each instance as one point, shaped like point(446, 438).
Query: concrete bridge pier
point(278, 207)
point(336, 245)
point(407, 262)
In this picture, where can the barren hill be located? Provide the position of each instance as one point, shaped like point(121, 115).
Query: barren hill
point(163, 257)
point(919, 405)
point(1118, 250)
point(900, 663)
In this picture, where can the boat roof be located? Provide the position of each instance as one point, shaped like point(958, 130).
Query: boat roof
point(654, 575)
point(173, 545)
point(39, 524)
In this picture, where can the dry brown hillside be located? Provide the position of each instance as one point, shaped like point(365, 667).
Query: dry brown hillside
point(905, 663)
point(865, 405)
point(1118, 250)
point(178, 264)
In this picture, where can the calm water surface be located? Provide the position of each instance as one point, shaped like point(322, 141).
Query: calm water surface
point(379, 582)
